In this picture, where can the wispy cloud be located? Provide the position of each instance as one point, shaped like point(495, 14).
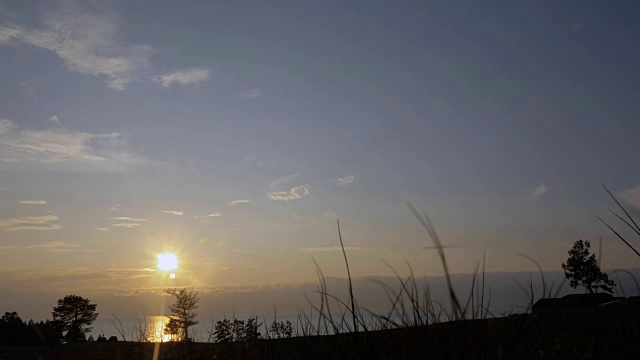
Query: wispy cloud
point(26, 86)
point(347, 180)
point(86, 40)
point(55, 246)
point(102, 229)
point(330, 249)
point(330, 214)
point(275, 184)
point(215, 214)
point(183, 77)
point(632, 196)
point(294, 193)
point(173, 212)
point(238, 202)
point(127, 225)
point(538, 192)
point(52, 246)
point(126, 218)
point(45, 222)
point(33, 202)
point(54, 119)
point(56, 145)
point(128, 273)
point(6, 126)
point(251, 94)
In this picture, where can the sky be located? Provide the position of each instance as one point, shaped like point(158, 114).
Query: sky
point(235, 133)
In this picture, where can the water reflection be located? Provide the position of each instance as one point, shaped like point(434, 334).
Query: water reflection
point(154, 329)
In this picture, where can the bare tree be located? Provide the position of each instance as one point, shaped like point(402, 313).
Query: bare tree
point(183, 313)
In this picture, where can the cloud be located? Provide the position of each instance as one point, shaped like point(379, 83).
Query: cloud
point(127, 225)
point(86, 40)
point(215, 214)
point(183, 77)
point(538, 192)
point(30, 223)
point(632, 196)
point(251, 94)
point(128, 273)
point(275, 184)
point(102, 229)
point(33, 202)
point(27, 87)
point(54, 119)
point(6, 126)
point(134, 222)
point(330, 249)
point(56, 279)
point(173, 212)
point(126, 218)
point(330, 214)
point(58, 145)
point(294, 193)
point(53, 245)
point(8, 33)
point(347, 180)
point(238, 202)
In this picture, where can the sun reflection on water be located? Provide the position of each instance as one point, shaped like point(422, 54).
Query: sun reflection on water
point(155, 329)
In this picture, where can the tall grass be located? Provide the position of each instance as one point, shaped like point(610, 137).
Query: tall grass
point(629, 222)
point(410, 303)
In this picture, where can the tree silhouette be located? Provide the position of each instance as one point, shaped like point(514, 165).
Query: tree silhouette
point(74, 314)
point(12, 329)
point(182, 311)
point(172, 328)
point(582, 269)
point(223, 332)
point(280, 330)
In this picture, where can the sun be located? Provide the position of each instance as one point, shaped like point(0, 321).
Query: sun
point(167, 261)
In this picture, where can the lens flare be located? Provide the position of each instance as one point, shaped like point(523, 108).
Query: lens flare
point(172, 275)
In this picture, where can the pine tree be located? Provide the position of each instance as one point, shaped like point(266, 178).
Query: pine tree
point(183, 313)
point(582, 269)
point(74, 314)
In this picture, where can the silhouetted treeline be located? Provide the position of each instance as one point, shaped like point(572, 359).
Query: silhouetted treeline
point(14, 331)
